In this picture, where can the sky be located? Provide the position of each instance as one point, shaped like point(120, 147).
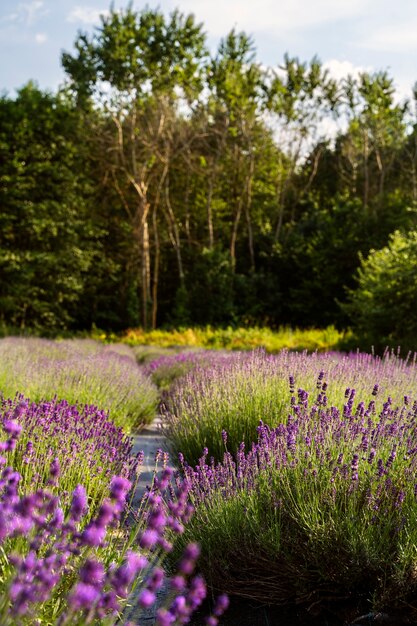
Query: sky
point(347, 35)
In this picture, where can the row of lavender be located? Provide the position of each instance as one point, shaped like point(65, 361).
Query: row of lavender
point(303, 473)
point(72, 549)
point(81, 372)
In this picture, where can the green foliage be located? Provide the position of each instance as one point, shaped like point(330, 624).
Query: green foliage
point(131, 50)
point(195, 188)
point(47, 239)
point(235, 395)
point(181, 314)
point(320, 507)
point(232, 339)
point(211, 286)
point(383, 305)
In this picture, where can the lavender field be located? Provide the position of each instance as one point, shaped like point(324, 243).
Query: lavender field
point(295, 484)
point(73, 550)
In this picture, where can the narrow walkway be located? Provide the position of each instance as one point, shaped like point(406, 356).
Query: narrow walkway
point(150, 440)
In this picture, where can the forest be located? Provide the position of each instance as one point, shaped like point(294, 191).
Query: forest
point(164, 185)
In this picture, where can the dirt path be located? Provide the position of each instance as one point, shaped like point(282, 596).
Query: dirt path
point(150, 440)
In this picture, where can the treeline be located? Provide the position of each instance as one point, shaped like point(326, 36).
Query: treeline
point(163, 184)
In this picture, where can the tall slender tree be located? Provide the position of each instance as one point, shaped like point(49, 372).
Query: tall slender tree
point(140, 69)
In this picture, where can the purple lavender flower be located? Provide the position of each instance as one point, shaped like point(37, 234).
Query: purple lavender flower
point(84, 596)
point(79, 503)
point(146, 598)
point(119, 488)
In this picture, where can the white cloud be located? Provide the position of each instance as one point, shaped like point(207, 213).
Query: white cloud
point(12, 17)
point(40, 38)
point(86, 15)
point(341, 69)
point(26, 13)
point(270, 16)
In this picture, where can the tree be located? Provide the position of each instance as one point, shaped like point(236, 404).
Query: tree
point(300, 96)
point(377, 130)
point(47, 240)
point(236, 84)
point(153, 67)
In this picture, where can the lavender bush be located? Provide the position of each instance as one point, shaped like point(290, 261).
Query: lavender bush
point(323, 507)
point(82, 442)
point(234, 394)
point(167, 368)
point(83, 372)
point(60, 567)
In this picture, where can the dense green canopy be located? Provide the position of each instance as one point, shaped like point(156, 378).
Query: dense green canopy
point(167, 185)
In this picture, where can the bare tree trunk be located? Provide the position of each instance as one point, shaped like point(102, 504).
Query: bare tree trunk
point(366, 170)
point(234, 233)
point(157, 255)
point(175, 234)
point(247, 212)
point(187, 207)
point(414, 172)
point(155, 269)
point(381, 172)
point(282, 189)
point(210, 213)
point(146, 271)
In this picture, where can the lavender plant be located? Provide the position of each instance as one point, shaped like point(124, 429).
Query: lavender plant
point(83, 372)
point(58, 569)
point(234, 394)
point(82, 443)
point(168, 368)
point(323, 507)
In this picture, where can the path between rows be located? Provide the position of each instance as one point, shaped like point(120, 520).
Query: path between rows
point(150, 440)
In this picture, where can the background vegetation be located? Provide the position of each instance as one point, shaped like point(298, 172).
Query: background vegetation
point(164, 185)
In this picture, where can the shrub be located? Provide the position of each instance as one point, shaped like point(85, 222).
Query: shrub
point(83, 372)
point(60, 566)
point(239, 338)
point(82, 441)
point(383, 306)
point(233, 395)
point(320, 508)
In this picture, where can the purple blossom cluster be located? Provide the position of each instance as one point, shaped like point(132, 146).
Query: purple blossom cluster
point(84, 441)
point(234, 394)
point(355, 443)
point(45, 545)
point(336, 486)
point(55, 559)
